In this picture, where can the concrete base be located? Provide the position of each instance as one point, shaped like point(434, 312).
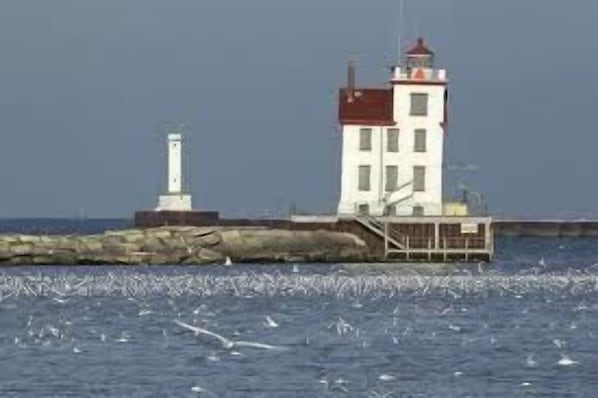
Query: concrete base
point(174, 202)
point(376, 209)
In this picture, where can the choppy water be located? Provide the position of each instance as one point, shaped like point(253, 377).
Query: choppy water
point(525, 326)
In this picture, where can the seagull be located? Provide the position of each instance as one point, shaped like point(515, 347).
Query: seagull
point(201, 389)
point(226, 343)
point(566, 361)
point(542, 263)
point(386, 377)
point(271, 323)
point(228, 261)
point(525, 384)
point(530, 361)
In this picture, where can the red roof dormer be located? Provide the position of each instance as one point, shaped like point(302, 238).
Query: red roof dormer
point(366, 106)
point(420, 49)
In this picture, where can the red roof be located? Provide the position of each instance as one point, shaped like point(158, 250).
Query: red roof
point(420, 48)
point(370, 106)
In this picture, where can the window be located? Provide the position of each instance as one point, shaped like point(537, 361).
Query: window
point(419, 104)
point(418, 211)
point(364, 178)
point(391, 210)
point(419, 178)
point(392, 178)
point(363, 209)
point(365, 139)
point(419, 143)
point(392, 140)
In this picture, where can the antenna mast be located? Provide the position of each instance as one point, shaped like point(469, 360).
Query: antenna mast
point(400, 36)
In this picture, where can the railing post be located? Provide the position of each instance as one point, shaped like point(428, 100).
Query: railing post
point(385, 240)
point(466, 250)
point(430, 250)
point(444, 249)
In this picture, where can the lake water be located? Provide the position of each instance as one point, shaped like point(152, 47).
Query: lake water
point(526, 325)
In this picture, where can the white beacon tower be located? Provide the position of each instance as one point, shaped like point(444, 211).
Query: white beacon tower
point(175, 199)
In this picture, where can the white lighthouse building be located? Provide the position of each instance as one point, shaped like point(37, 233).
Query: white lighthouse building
point(175, 199)
point(392, 140)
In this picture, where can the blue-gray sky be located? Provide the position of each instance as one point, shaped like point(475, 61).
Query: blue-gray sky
point(83, 85)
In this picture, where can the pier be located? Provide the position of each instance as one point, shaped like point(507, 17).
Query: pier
point(556, 228)
point(389, 238)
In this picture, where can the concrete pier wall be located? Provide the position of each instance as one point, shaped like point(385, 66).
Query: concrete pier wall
point(546, 228)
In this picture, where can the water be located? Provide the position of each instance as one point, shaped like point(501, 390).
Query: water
point(343, 330)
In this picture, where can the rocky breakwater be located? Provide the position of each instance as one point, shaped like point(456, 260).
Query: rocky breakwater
point(183, 245)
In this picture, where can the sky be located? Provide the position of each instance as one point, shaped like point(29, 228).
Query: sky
point(85, 84)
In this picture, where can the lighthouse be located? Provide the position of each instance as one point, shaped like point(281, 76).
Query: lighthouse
point(393, 138)
point(175, 199)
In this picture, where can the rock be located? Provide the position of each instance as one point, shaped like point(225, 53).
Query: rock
point(20, 249)
point(19, 260)
point(160, 233)
point(67, 243)
point(29, 239)
point(157, 259)
point(207, 240)
point(9, 238)
point(63, 257)
point(120, 248)
point(175, 243)
point(126, 236)
point(48, 239)
point(207, 256)
point(91, 245)
point(187, 245)
point(43, 260)
point(151, 244)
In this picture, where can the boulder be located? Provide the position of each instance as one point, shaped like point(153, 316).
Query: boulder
point(184, 245)
point(152, 244)
point(20, 249)
point(29, 239)
point(207, 240)
point(91, 245)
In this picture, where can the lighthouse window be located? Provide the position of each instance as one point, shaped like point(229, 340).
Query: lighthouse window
point(419, 178)
point(392, 143)
point(363, 209)
point(418, 211)
point(419, 143)
point(364, 178)
point(419, 104)
point(365, 139)
point(392, 178)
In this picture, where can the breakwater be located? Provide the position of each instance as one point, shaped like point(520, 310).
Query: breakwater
point(183, 245)
point(546, 228)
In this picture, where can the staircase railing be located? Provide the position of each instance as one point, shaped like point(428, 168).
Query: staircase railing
point(379, 228)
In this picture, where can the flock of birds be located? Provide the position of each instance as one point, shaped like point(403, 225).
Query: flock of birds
point(341, 284)
point(137, 286)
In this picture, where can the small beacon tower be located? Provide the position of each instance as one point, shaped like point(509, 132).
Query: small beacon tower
point(393, 138)
point(175, 199)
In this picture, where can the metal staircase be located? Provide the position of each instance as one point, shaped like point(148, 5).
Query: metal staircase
point(377, 227)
